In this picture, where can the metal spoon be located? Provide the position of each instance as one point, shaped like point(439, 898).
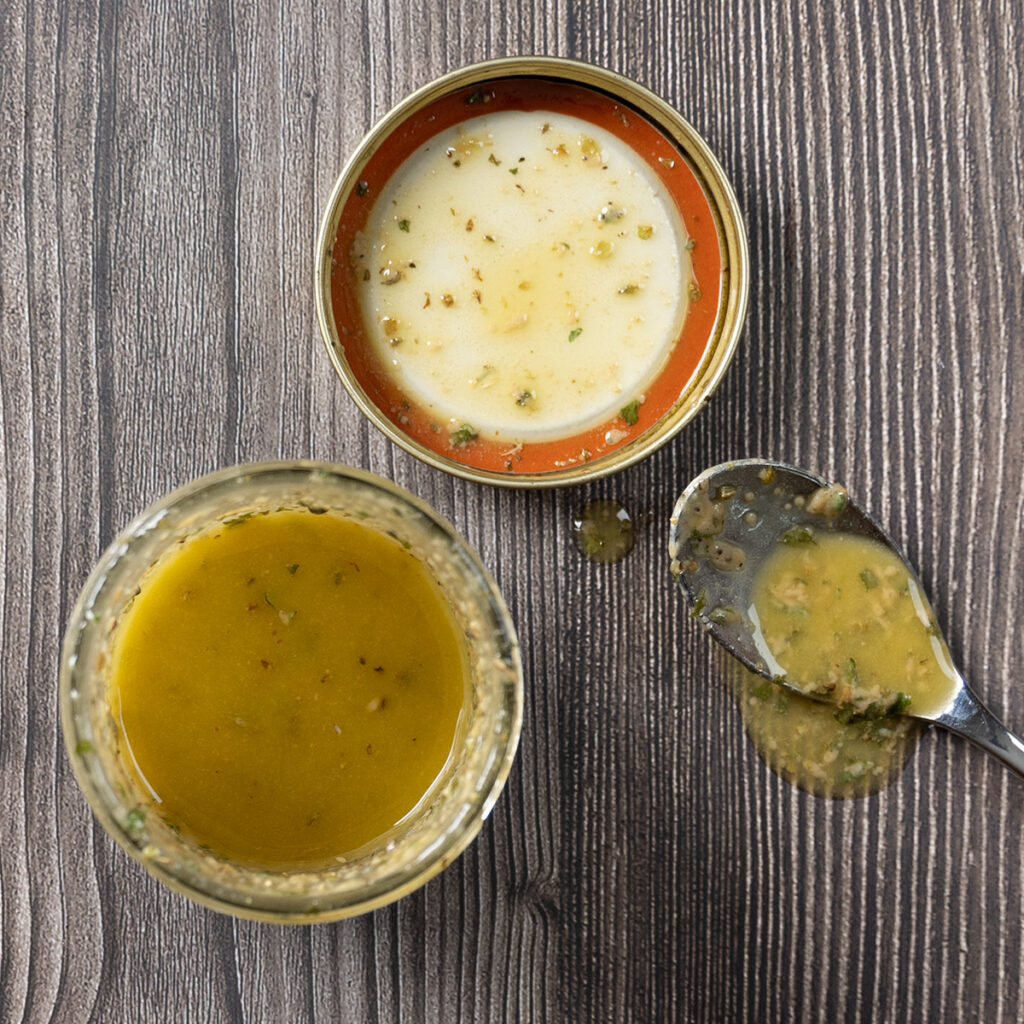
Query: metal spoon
point(745, 507)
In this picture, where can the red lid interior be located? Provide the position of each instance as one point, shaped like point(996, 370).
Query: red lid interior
point(671, 167)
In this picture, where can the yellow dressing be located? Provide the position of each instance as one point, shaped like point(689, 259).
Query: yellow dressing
point(842, 618)
point(287, 686)
point(800, 739)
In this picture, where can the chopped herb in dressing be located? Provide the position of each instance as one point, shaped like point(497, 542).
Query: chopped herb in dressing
point(631, 413)
point(134, 821)
point(461, 437)
point(798, 536)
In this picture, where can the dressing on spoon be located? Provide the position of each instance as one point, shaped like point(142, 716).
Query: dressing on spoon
point(771, 557)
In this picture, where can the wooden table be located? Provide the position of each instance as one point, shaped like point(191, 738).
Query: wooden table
point(162, 171)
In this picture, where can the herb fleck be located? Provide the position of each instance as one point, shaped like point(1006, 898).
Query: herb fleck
point(513, 170)
point(239, 519)
point(631, 413)
point(869, 578)
point(461, 437)
point(524, 397)
point(798, 535)
point(293, 568)
point(403, 224)
point(629, 289)
point(494, 160)
point(575, 333)
point(134, 820)
point(83, 747)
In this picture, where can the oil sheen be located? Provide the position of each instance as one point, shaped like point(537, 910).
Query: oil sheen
point(287, 686)
point(523, 276)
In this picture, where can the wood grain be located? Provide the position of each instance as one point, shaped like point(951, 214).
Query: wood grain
point(162, 172)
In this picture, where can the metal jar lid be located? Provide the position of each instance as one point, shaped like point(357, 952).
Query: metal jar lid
point(673, 150)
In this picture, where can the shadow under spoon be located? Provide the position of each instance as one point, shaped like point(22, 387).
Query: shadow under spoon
point(725, 525)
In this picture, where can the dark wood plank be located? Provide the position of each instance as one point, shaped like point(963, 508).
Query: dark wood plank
point(162, 173)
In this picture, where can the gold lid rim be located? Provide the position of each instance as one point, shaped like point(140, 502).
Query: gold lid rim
point(721, 345)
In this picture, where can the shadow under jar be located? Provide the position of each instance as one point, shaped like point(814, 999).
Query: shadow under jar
point(203, 524)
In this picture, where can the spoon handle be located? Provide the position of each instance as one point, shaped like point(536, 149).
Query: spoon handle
point(969, 717)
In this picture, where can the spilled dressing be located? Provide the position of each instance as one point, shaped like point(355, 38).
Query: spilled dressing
point(801, 740)
point(604, 531)
point(832, 614)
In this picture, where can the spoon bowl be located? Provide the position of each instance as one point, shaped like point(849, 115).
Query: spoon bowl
point(725, 525)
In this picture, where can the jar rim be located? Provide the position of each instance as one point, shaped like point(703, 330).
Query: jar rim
point(282, 896)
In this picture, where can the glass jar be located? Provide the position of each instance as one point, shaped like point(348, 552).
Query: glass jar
point(452, 811)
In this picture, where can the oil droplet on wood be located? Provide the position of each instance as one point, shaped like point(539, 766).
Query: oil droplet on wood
point(604, 531)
